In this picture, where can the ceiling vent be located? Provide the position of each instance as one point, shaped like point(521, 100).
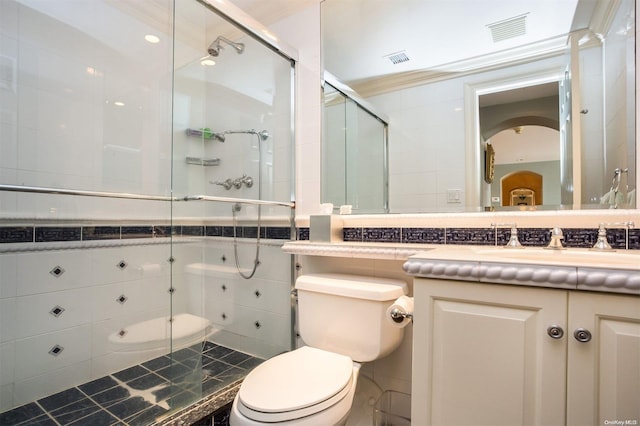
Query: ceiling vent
point(397, 58)
point(509, 28)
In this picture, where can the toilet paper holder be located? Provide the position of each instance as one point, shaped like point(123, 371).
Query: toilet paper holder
point(398, 316)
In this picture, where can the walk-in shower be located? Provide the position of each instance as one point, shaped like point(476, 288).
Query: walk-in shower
point(119, 299)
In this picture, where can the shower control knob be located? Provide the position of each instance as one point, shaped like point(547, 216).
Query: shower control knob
point(227, 184)
point(555, 332)
point(582, 335)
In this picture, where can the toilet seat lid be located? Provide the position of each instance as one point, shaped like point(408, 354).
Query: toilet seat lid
point(295, 380)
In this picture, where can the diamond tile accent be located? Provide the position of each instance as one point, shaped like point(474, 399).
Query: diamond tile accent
point(56, 311)
point(56, 350)
point(122, 264)
point(122, 299)
point(122, 332)
point(57, 271)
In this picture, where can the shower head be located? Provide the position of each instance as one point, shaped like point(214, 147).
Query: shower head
point(215, 46)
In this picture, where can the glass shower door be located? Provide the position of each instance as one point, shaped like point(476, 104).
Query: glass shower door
point(233, 161)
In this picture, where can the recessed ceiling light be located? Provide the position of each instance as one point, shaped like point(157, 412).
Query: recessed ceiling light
point(152, 39)
point(118, 103)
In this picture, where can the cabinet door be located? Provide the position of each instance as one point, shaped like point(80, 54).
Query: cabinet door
point(482, 355)
point(603, 382)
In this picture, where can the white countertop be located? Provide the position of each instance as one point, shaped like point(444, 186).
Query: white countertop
point(578, 269)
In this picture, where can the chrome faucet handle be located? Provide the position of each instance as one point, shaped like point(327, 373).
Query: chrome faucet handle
point(602, 243)
point(227, 183)
point(556, 239)
point(247, 180)
point(513, 239)
point(237, 183)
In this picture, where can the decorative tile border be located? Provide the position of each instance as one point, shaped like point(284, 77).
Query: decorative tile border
point(45, 234)
point(529, 237)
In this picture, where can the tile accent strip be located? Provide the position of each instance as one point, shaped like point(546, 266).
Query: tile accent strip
point(46, 234)
point(528, 237)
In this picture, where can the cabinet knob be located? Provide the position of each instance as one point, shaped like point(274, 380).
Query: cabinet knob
point(555, 332)
point(582, 335)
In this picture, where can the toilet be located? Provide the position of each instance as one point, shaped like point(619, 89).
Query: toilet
point(342, 320)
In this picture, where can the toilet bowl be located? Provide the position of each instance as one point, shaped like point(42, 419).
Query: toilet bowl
point(343, 321)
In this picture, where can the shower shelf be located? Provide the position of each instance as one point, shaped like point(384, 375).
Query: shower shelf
point(203, 161)
point(201, 133)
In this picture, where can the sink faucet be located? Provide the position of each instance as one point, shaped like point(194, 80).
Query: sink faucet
point(556, 239)
point(513, 239)
point(602, 243)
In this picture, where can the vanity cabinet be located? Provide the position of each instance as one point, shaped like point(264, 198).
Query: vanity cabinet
point(489, 354)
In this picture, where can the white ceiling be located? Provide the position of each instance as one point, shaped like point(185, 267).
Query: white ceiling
point(436, 35)
point(358, 34)
point(534, 143)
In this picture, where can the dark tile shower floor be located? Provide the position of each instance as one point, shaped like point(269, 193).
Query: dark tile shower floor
point(139, 394)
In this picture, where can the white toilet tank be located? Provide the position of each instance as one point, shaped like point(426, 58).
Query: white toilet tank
point(346, 314)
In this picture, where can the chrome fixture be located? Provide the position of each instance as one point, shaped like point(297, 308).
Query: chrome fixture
point(227, 183)
point(582, 335)
point(215, 46)
point(555, 331)
point(398, 316)
point(117, 195)
point(556, 239)
point(248, 181)
point(615, 187)
point(207, 133)
point(243, 180)
point(602, 243)
point(262, 135)
point(513, 239)
point(235, 183)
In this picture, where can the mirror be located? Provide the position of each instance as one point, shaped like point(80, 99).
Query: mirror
point(440, 69)
point(354, 151)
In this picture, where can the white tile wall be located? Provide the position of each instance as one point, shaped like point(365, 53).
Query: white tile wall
point(238, 302)
point(60, 78)
point(51, 382)
point(87, 291)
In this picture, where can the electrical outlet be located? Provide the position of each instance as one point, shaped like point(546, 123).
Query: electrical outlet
point(454, 196)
